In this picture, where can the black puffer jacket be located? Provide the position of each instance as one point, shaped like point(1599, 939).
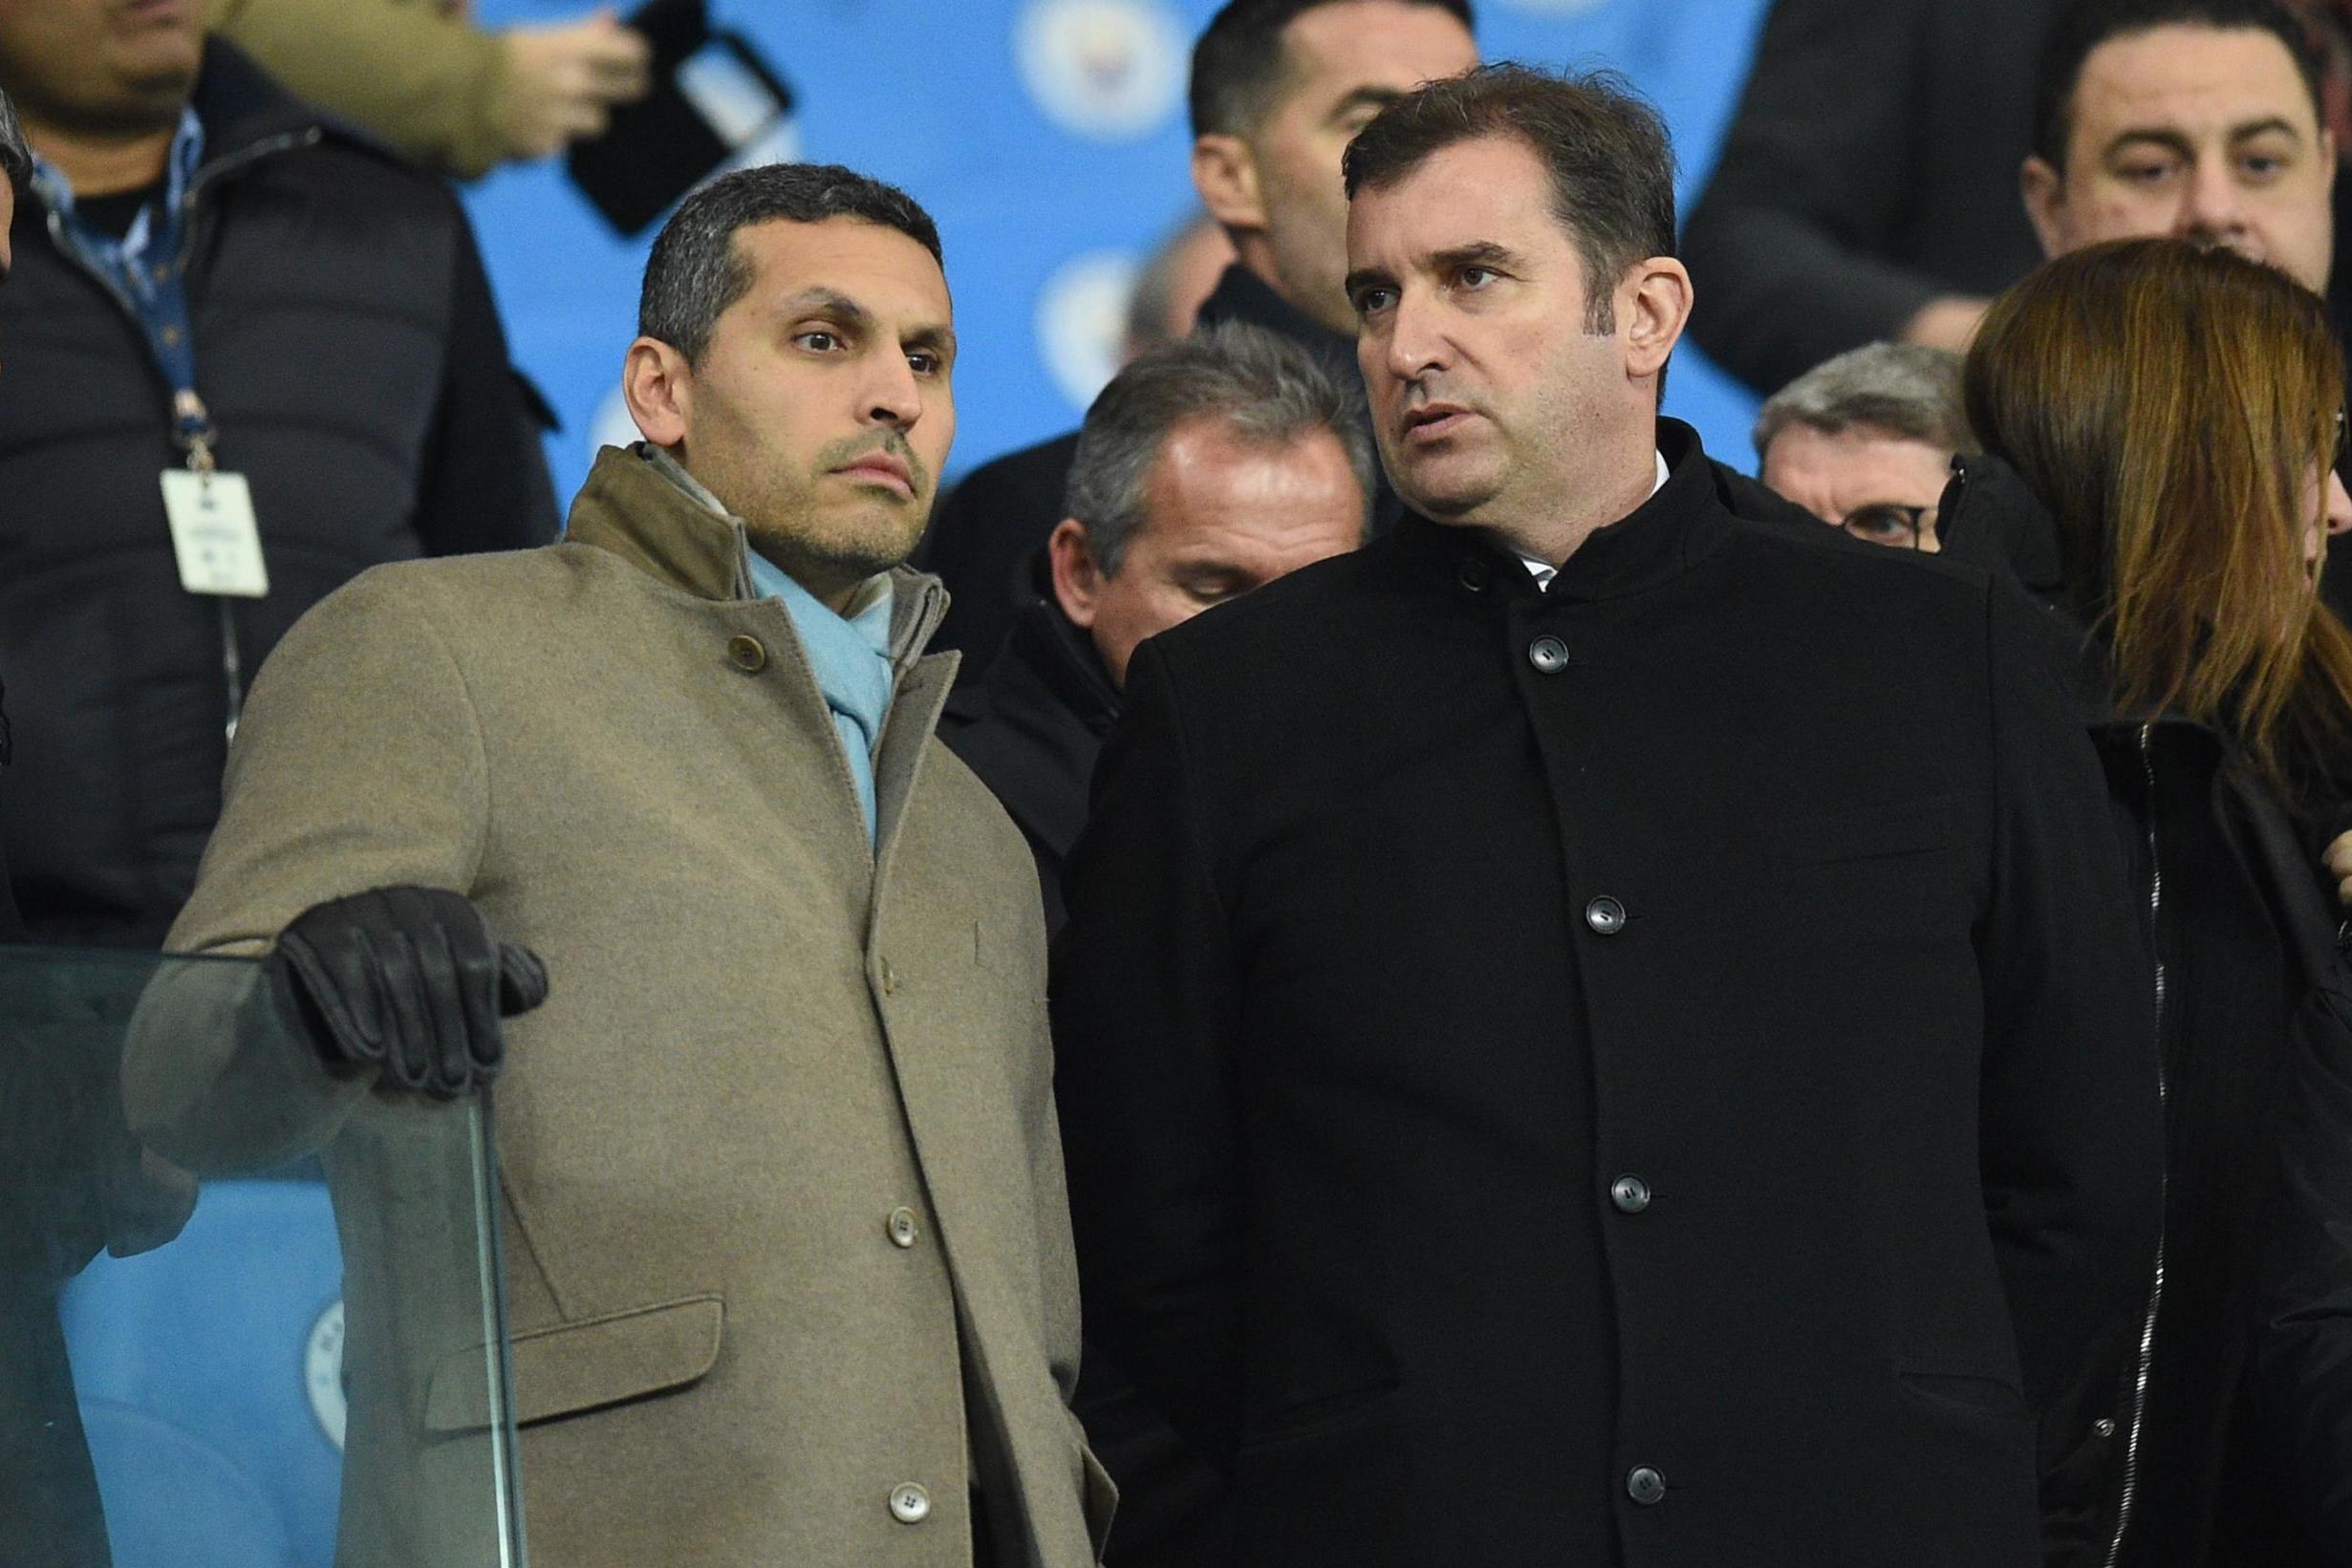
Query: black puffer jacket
point(2207, 1463)
point(350, 356)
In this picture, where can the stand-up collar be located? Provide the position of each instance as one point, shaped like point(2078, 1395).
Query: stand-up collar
point(1683, 520)
point(640, 505)
point(1049, 649)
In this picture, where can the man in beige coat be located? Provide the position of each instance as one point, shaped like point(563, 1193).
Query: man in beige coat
point(788, 1266)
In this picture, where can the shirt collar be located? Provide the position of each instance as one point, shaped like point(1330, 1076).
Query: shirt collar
point(1543, 572)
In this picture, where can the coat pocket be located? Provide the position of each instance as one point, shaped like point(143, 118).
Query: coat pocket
point(574, 1368)
point(1872, 832)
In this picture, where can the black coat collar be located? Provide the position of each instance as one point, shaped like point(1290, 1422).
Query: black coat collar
point(1241, 295)
point(1656, 543)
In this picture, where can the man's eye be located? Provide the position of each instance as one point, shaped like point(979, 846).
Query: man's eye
point(1477, 277)
point(2263, 166)
point(819, 341)
point(1369, 300)
point(2147, 174)
point(924, 364)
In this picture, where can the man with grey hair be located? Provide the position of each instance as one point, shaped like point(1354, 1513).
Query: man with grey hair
point(787, 1243)
point(1865, 441)
point(1209, 466)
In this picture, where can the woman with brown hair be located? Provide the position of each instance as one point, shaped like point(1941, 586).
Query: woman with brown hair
point(2169, 418)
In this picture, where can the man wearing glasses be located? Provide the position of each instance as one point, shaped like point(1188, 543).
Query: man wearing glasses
point(1866, 441)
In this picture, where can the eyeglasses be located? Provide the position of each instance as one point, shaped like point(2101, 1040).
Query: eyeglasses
point(1884, 523)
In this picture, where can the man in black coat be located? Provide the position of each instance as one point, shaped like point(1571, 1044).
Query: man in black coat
point(1277, 87)
point(1208, 467)
point(207, 272)
point(1590, 1030)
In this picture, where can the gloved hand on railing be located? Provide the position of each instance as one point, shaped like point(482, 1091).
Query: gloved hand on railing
point(408, 981)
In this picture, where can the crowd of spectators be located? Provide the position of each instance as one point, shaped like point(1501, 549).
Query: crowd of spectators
point(1600, 1008)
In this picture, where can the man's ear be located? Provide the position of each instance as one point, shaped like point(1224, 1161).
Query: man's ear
point(2045, 192)
point(1653, 305)
point(658, 386)
point(1077, 580)
point(1225, 174)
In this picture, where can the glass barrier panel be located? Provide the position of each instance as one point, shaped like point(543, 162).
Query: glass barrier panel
point(249, 1314)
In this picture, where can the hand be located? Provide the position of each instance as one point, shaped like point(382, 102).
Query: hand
point(564, 78)
point(2339, 863)
point(408, 981)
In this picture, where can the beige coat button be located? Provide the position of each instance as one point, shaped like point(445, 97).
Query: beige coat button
point(909, 1503)
point(890, 980)
point(745, 654)
point(902, 1231)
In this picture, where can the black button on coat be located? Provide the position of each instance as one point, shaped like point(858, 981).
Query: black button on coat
point(1873, 1032)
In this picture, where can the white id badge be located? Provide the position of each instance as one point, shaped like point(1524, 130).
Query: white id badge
point(214, 534)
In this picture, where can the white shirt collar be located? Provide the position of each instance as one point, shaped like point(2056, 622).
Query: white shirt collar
point(1543, 572)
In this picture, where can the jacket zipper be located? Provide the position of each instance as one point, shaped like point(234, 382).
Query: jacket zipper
point(2155, 1295)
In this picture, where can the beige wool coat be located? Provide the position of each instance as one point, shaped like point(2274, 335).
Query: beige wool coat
point(783, 1212)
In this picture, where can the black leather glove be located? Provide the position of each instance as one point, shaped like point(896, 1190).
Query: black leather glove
point(408, 981)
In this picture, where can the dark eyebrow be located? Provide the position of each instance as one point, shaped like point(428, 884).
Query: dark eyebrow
point(1477, 253)
point(2264, 127)
point(2171, 142)
point(939, 338)
point(828, 302)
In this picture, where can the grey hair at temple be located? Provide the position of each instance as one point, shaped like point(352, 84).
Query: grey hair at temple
point(1266, 388)
point(1898, 389)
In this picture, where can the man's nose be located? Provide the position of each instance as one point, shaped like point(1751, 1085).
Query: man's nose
point(890, 392)
point(2212, 206)
point(1415, 339)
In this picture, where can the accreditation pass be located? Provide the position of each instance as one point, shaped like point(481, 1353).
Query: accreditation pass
point(214, 534)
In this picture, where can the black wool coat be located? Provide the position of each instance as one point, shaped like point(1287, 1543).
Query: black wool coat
point(1654, 1072)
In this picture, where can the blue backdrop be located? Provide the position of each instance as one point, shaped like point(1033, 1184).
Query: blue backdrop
point(1047, 137)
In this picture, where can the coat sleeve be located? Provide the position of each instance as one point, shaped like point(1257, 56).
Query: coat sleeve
point(2303, 1351)
point(434, 88)
point(358, 764)
point(1144, 1021)
point(1790, 239)
point(2072, 1120)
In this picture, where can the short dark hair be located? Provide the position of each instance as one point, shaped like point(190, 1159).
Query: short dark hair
point(695, 271)
point(1239, 61)
point(15, 158)
point(2081, 26)
point(1611, 163)
point(1267, 389)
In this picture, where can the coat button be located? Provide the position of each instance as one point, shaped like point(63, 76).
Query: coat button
point(745, 654)
point(902, 1231)
point(2103, 1427)
point(1646, 1486)
point(1548, 654)
point(890, 978)
point(1474, 575)
point(1630, 1194)
point(1605, 915)
point(909, 1503)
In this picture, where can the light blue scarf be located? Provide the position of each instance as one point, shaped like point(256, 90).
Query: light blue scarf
point(851, 660)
